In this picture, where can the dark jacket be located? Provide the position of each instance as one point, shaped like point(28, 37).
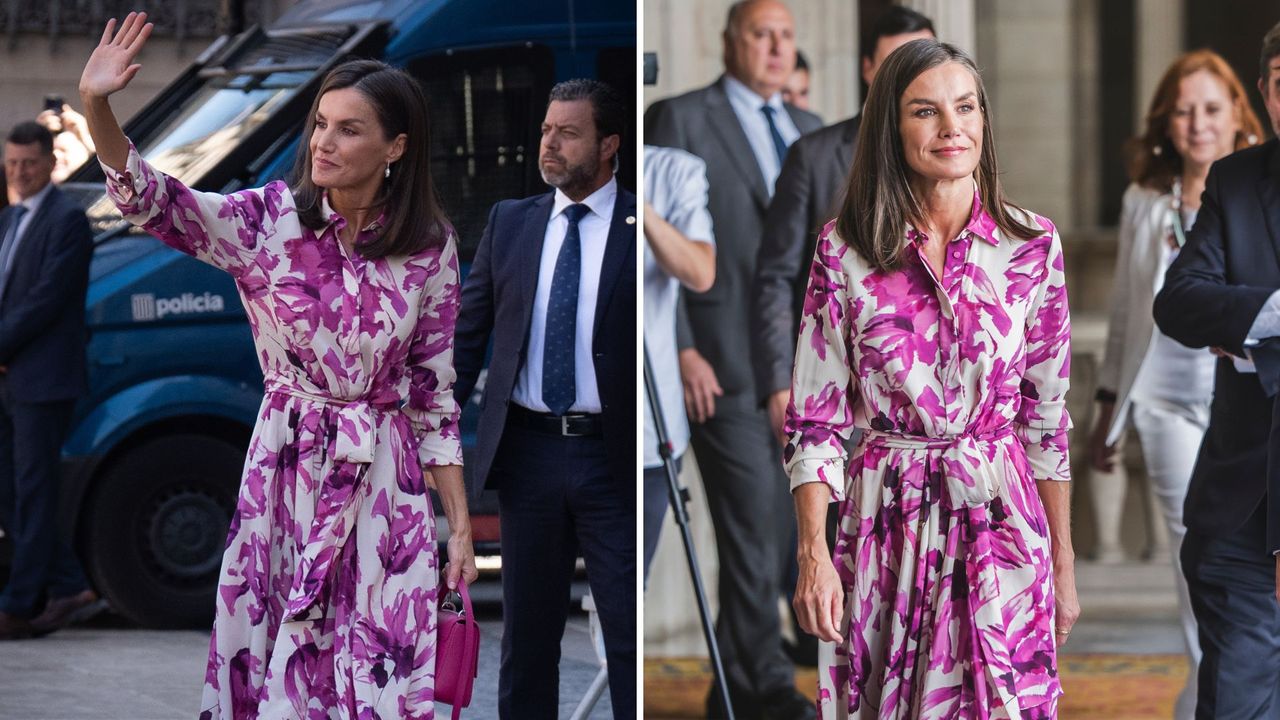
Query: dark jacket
point(497, 302)
point(1211, 296)
point(702, 122)
point(42, 324)
point(808, 194)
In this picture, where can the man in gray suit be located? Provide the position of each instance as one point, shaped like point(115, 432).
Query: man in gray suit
point(808, 193)
point(740, 127)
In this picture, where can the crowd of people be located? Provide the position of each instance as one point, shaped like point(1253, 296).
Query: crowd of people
point(887, 335)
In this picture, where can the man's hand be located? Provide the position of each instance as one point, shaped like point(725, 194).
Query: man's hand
point(777, 406)
point(1102, 457)
point(701, 388)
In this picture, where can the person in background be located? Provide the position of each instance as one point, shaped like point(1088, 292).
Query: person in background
point(679, 252)
point(1221, 293)
point(553, 286)
point(45, 250)
point(796, 91)
point(1200, 113)
point(936, 323)
point(742, 130)
point(72, 144)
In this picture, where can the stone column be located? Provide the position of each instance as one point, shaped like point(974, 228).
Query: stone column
point(954, 20)
point(1158, 26)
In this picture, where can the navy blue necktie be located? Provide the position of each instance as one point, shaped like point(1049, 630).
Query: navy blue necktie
point(7, 245)
point(559, 386)
point(779, 145)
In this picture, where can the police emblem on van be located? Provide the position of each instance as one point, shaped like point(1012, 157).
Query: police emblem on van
point(147, 307)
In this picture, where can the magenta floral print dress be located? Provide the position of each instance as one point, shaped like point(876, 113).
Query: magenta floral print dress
point(327, 596)
point(957, 384)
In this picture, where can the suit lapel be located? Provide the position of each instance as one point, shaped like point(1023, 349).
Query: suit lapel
point(844, 151)
point(724, 123)
point(1269, 194)
point(530, 248)
point(620, 245)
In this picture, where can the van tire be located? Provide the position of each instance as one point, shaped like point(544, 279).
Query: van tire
point(157, 527)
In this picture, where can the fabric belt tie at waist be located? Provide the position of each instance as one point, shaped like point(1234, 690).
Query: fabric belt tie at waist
point(970, 470)
point(354, 442)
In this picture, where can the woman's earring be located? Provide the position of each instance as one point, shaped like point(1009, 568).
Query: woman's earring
point(1253, 139)
point(387, 174)
point(1157, 150)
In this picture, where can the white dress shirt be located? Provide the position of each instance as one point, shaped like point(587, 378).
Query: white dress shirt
point(675, 184)
point(593, 233)
point(746, 105)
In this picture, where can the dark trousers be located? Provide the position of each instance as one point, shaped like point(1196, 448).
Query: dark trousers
point(1232, 583)
point(657, 498)
point(556, 499)
point(754, 519)
point(31, 437)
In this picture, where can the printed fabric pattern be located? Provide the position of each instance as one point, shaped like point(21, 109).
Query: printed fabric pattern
point(958, 385)
point(326, 602)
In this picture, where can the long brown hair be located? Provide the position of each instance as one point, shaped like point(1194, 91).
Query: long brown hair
point(1153, 161)
point(878, 202)
point(414, 220)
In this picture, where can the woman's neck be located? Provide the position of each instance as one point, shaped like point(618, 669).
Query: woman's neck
point(355, 206)
point(947, 205)
point(1193, 180)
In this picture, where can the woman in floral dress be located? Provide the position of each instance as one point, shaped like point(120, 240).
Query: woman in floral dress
point(936, 322)
point(327, 596)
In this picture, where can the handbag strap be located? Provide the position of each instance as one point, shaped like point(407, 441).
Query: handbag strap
point(469, 647)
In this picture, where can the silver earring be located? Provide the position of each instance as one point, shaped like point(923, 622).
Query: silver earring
point(387, 174)
point(1253, 139)
point(1157, 151)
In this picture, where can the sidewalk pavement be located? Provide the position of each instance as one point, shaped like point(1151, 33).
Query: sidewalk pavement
point(109, 671)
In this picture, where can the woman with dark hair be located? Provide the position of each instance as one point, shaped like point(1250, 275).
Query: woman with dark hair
point(1200, 113)
point(327, 596)
point(936, 322)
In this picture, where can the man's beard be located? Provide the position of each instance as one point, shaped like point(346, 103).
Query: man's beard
point(573, 179)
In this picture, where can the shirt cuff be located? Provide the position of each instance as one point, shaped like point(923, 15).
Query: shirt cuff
point(1267, 323)
point(829, 472)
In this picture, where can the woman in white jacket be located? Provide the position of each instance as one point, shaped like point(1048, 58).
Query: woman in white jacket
point(1200, 113)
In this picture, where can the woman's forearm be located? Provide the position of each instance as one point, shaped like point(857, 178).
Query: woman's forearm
point(1055, 495)
point(811, 520)
point(104, 129)
point(453, 496)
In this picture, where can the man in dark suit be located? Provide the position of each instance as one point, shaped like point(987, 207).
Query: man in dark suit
point(553, 284)
point(1221, 292)
point(740, 127)
point(44, 273)
point(808, 193)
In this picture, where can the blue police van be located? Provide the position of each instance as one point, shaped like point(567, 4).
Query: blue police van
point(153, 461)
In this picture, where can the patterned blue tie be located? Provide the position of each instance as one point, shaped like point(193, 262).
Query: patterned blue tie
point(779, 145)
point(559, 386)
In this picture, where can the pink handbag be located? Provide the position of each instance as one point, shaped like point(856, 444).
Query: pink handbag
point(457, 650)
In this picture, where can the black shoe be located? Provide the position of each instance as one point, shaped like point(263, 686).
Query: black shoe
point(788, 704)
point(744, 708)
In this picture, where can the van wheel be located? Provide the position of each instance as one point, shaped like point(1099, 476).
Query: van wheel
point(157, 527)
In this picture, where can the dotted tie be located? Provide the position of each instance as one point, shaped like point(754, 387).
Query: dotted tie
point(559, 385)
point(779, 145)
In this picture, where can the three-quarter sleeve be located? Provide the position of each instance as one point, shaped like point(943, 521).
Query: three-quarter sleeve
point(1042, 421)
point(820, 414)
point(431, 406)
point(225, 231)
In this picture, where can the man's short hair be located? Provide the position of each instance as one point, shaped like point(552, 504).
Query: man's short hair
point(26, 133)
point(802, 63)
point(1270, 49)
point(897, 20)
point(607, 107)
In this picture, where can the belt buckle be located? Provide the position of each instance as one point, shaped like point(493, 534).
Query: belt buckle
point(564, 427)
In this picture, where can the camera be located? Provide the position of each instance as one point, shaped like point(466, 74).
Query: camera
point(54, 103)
point(651, 68)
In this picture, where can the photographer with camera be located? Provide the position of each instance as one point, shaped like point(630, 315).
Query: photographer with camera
point(72, 145)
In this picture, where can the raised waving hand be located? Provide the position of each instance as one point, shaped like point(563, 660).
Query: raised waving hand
point(112, 66)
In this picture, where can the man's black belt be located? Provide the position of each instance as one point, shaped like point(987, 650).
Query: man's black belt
point(571, 425)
